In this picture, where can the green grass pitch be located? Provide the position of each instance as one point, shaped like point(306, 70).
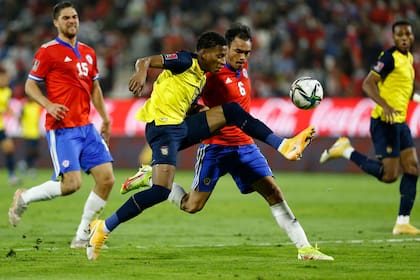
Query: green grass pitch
point(349, 216)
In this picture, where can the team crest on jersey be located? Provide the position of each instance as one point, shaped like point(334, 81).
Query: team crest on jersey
point(378, 67)
point(35, 64)
point(89, 59)
point(171, 56)
point(65, 163)
point(245, 73)
point(164, 150)
point(207, 181)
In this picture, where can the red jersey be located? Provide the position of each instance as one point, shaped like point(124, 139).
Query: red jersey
point(228, 85)
point(68, 74)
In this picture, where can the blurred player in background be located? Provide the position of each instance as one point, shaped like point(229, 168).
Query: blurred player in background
point(31, 134)
point(68, 68)
point(232, 151)
point(390, 85)
point(169, 130)
point(7, 145)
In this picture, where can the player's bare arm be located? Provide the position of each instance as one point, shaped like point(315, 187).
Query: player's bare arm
point(58, 111)
point(99, 103)
point(138, 80)
point(370, 87)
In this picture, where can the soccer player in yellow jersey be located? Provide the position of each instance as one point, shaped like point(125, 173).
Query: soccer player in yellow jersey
point(31, 134)
point(7, 145)
point(390, 85)
point(170, 127)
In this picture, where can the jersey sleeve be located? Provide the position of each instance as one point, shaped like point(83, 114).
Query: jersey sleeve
point(178, 62)
point(40, 65)
point(384, 65)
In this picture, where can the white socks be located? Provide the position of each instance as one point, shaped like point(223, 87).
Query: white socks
point(287, 221)
point(176, 195)
point(45, 191)
point(347, 152)
point(93, 207)
point(403, 220)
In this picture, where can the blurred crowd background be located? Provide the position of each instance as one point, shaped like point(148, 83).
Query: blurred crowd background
point(334, 41)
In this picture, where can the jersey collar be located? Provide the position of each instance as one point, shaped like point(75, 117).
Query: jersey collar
point(75, 49)
point(237, 72)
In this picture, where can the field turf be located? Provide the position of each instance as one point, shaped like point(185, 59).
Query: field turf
point(349, 216)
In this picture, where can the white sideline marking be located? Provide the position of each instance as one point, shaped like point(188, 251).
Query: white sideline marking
point(261, 244)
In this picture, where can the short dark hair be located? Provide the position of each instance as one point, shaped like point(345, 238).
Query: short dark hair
point(209, 40)
point(398, 23)
point(60, 6)
point(238, 30)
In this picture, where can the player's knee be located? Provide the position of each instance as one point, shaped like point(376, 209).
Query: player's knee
point(389, 177)
point(412, 169)
point(191, 207)
point(70, 186)
point(108, 181)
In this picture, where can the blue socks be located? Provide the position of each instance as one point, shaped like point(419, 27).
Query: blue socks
point(372, 167)
point(236, 115)
point(408, 189)
point(136, 204)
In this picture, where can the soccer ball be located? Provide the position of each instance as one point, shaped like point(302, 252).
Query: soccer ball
point(306, 93)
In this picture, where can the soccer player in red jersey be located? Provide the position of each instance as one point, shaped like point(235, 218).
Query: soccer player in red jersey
point(69, 70)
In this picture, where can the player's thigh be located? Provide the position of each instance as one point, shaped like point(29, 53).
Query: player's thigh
point(165, 140)
point(65, 150)
point(215, 118)
point(250, 167)
point(211, 164)
point(94, 151)
point(197, 130)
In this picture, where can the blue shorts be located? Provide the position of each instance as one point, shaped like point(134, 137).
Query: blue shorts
point(390, 139)
point(167, 140)
point(76, 148)
point(244, 163)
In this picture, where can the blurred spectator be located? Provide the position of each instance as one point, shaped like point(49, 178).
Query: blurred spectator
point(335, 41)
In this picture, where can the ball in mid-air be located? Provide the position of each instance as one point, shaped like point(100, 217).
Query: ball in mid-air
point(306, 93)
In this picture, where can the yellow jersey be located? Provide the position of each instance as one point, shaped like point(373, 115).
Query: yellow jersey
point(5, 95)
point(397, 82)
point(31, 115)
point(176, 88)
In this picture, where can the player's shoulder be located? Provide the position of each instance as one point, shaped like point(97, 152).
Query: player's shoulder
point(49, 44)
point(84, 45)
point(388, 52)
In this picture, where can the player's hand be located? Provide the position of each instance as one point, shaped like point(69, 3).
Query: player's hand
point(389, 114)
point(106, 131)
point(137, 83)
point(58, 111)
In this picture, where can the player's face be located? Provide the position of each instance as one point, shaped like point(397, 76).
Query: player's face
point(238, 53)
point(403, 37)
point(213, 59)
point(67, 23)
